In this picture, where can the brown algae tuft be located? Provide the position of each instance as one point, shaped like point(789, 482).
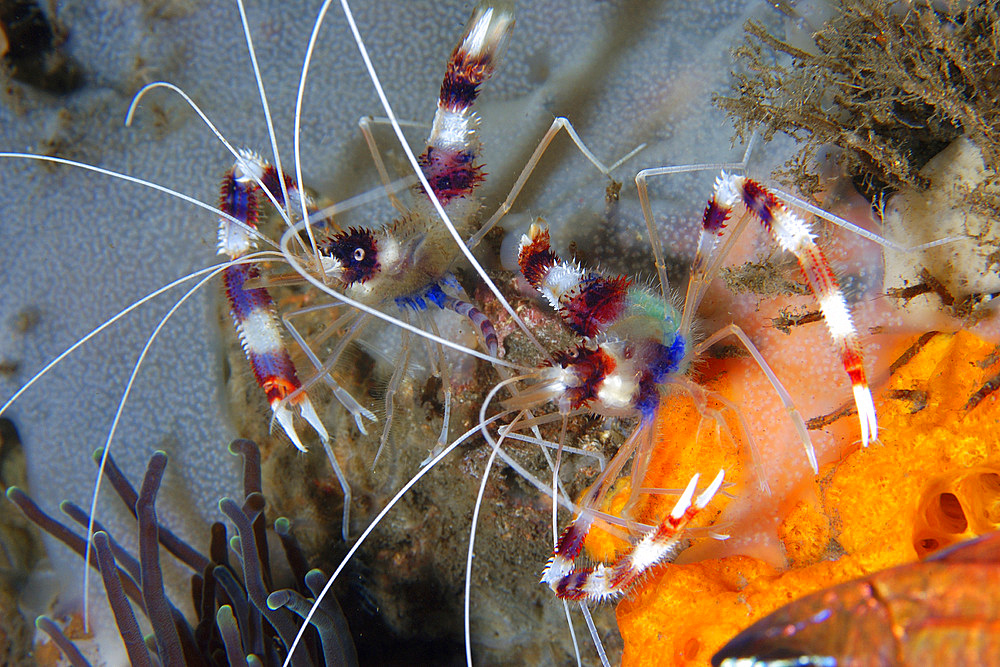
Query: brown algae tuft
point(890, 84)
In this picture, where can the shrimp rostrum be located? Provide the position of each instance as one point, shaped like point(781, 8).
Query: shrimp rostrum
point(634, 346)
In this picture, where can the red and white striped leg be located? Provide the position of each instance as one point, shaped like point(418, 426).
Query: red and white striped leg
point(794, 234)
point(252, 308)
point(602, 582)
point(453, 145)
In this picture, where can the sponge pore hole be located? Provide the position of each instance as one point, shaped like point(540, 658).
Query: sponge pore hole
point(926, 546)
point(691, 649)
point(952, 516)
point(990, 482)
point(957, 505)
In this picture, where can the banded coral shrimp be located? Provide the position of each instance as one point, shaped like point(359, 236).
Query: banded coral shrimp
point(178, 417)
point(767, 207)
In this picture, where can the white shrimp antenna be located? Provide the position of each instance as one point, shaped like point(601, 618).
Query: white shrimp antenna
point(297, 131)
point(143, 182)
point(398, 130)
point(106, 450)
point(130, 115)
point(106, 324)
point(286, 210)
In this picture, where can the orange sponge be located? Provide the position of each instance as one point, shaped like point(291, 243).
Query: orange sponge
point(932, 480)
point(956, 506)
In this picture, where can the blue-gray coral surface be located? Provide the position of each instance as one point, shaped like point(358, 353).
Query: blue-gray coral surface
point(76, 247)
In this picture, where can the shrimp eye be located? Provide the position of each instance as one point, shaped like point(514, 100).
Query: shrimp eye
point(357, 251)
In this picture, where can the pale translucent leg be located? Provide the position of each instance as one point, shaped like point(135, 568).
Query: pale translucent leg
point(597, 456)
point(756, 458)
point(345, 489)
point(358, 411)
point(561, 497)
point(701, 397)
point(588, 512)
point(337, 326)
point(783, 395)
point(402, 363)
point(525, 402)
point(365, 123)
point(647, 209)
point(445, 373)
point(441, 370)
point(708, 260)
point(557, 124)
point(445, 421)
point(355, 323)
point(555, 479)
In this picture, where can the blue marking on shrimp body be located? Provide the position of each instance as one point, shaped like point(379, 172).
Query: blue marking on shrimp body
point(667, 359)
point(418, 301)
